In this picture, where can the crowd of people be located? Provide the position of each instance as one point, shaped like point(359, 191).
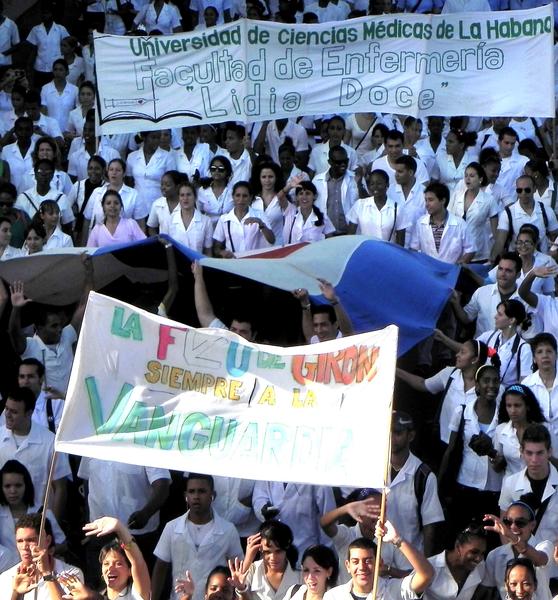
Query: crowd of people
point(472, 508)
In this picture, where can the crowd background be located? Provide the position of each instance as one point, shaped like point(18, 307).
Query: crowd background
point(477, 401)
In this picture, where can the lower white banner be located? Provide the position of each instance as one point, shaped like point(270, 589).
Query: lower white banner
point(146, 390)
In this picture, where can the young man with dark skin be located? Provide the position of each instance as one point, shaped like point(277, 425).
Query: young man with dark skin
point(197, 541)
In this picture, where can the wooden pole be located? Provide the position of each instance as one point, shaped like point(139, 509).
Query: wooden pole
point(382, 511)
point(46, 498)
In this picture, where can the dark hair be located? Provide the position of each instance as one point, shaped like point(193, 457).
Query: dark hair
point(361, 543)
point(33, 521)
point(480, 172)
point(528, 145)
point(537, 165)
point(114, 546)
point(380, 127)
point(14, 466)
point(37, 227)
point(407, 161)
point(440, 190)
point(111, 193)
point(467, 138)
point(119, 161)
point(515, 258)
point(325, 309)
point(219, 569)
point(507, 131)
point(190, 185)
point(325, 558)
point(534, 413)
point(531, 230)
point(336, 118)
point(395, 134)
point(409, 121)
point(99, 160)
point(381, 173)
point(520, 561)
point(536, 434)
point(87, 84)
point(489, 156)
point(239, 130)
point(5, 220)
point(25, 395)
point(334, 149)
point(225, 162)
point(61, 61)
point(176, 176)
point(49, 206)
point(240, 184)
point(480, 350)
point(281, 535)
point(45, 161)
point(546, 339)
point(309, 186)
point(34, 362)
point(473, 530)
point(514, 309)
point(32, 97)
point(8, 188)
point(202, 476)
point(482, 370)
point(255, 181)
point(287, 146)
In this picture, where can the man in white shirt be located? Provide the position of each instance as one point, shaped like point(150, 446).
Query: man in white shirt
point(52, 343)
point(439, 233)
point(48, 410)
point(236, 152)
point(323, 322)
point(19, 154)
point(537, 484)
point(513, 163)
point(360, 564)
point(485, 300)
point(408, 192)
point(33, 445)
point(394, 149)
point(35, 577)
point(9, 37)
point(198, 540)
point(320, 155)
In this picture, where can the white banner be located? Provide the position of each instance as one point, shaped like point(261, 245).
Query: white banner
point(146, 390)
point(478, 64)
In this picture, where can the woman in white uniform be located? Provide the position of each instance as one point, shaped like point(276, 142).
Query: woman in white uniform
point(187, 225)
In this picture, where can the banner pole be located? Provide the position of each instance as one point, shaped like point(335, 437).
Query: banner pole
point(47, 496)
point(382, 510)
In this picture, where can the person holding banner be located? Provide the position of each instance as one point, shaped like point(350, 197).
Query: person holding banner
point(243, 228)
point(360, 564)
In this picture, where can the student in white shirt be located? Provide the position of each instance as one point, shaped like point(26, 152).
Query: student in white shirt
point(214, 195)
point(519, 408)
point(439, 233)
point(187, 225)
point(243, 228)
point(59, 97)
point(319, 157)
point(163, 207)
point(378, 215)
point(237, 154)
point(307, 223)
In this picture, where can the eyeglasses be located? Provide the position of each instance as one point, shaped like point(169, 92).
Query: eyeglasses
point(43, 172)
point(521, 523)
point(525, 190)
point(524, 243)
point(219, 169)
point(343, 161)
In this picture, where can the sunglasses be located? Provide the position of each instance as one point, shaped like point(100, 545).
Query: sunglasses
point(219, 169)
point(526, 190)
point(521, 523)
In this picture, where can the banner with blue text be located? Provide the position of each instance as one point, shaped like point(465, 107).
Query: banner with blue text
point(146, 390)
point(479, 64)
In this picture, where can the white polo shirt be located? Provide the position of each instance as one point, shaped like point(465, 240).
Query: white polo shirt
point(199, 234)
point(19, 165)
point(48, 45)
point(297, 229)
point(9, 37)
point(132, 208)
point(57, 358)
point(444, 586)
point(147, 176)
point(59, 105)
point(34, 452)
point(177, 546)
point(239, 237)
point(381, 223)
point(119, 489)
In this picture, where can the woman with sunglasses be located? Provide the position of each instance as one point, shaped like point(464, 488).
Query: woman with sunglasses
point(515, 529)
point(526, 245)
point(518, 409)
point(214, 195)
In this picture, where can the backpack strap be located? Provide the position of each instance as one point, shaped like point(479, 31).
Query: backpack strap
point(419, 483)
point(444, 394)
point(510, 226)
point(544, 215)
point(230, 236)
point(30, 200)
